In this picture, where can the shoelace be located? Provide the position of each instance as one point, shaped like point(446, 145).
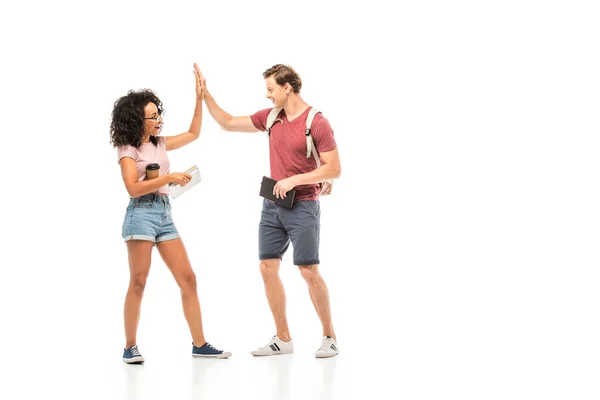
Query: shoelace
point(268, 346)
point(134, 351)
point(211, 346)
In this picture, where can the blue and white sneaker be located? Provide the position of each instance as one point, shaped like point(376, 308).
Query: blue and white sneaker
point(207, 350)
point(132, 355)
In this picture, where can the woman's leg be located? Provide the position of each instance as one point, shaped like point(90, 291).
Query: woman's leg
point(175, 257)
point(140, 252)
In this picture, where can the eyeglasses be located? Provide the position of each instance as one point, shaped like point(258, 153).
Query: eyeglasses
point(155, 118)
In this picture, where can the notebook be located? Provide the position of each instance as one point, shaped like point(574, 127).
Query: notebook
point(177, 190)
point(266, 190)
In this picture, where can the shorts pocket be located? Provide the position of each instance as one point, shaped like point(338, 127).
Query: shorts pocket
point(315, 207)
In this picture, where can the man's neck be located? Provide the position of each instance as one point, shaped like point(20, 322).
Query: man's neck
point(294, 107)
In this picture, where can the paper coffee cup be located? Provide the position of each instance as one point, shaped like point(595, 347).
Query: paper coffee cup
point(152, 170)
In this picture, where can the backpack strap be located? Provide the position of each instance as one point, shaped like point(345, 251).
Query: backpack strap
point(311, 149)
point(272, 118)
point(310, 145)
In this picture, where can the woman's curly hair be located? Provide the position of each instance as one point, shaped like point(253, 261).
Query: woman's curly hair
point(127, 123)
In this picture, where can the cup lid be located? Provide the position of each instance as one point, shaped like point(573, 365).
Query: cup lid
point(153, 166)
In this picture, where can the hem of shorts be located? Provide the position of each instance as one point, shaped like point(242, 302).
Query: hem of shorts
point(164, 238)
point(269, 256)
point(309, 262)
point(139, 237)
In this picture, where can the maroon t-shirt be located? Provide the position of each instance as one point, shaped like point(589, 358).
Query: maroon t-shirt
point(287, 147)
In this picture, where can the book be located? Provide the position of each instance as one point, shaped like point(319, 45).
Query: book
point(266, 190)
point(177, 190)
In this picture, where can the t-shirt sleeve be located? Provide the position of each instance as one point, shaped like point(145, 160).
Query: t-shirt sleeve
point(259, 119)
point(322, 135)
point(126, 151)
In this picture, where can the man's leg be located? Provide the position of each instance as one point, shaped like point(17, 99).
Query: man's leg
point(303, 224)
point(319, 296)
point(275, 295)
point(273, 242)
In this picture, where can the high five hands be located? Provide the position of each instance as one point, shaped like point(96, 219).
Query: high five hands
point(200, 83)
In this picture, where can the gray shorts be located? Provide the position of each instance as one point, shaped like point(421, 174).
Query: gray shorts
point(300, 225)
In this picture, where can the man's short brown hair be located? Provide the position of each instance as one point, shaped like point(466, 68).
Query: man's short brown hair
point(284, 74)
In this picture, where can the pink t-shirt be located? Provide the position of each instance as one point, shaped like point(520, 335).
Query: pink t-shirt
point(287, 147)
point(146, 154)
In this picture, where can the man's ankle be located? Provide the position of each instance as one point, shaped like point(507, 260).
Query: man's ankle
point(284, 337)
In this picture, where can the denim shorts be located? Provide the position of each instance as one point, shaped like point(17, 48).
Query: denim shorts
point(300, 225)
point(148, 217)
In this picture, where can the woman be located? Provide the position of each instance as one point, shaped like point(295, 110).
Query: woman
point(137, 121)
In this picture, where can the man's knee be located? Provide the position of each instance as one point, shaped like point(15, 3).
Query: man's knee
point(269, 268)
point(310, 273)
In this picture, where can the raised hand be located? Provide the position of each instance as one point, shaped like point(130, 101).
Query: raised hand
point(200, 83)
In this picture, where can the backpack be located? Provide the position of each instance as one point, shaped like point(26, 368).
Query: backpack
point(311, 149)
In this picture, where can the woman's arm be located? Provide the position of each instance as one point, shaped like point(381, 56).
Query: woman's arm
point(177, 141)
point(137, 188)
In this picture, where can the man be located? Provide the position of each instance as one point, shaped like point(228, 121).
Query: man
point(278, 225)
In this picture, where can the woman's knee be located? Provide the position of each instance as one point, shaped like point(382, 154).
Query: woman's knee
point(137, 283)
point(187, 282)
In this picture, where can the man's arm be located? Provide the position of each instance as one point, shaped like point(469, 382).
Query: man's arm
point(329, 169)
point(228, 122)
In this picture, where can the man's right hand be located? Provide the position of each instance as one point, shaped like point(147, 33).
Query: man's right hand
point(224, 119)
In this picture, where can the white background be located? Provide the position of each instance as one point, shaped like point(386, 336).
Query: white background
point(459, 245)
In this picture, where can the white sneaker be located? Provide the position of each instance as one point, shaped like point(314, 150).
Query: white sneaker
point(329, 348)
point(274, 347)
